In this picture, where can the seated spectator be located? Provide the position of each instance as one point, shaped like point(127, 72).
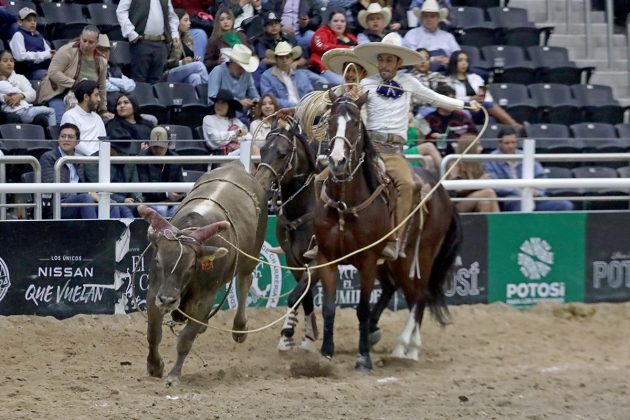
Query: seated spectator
point(514, 170)
point(116, 80)
point(201, 22)
point(334, 35)
point(223, 37)
point(75, 61)
point(299, 18)
point(374, 20)
point(84, 116)
point(282, 80)
point(182, 64)
point(446, 124)
point(423, 73)
point(440, 43)
point(236, 77)
point(272, 36)
point(160, 172)
point(17, 95)
point(70, 173)
point(127, 122)
point(485, 200)
point(119, 173)
point(222, 130)
point(30, 49)
point(261, 126)
point(8, 24)
point(470, 86)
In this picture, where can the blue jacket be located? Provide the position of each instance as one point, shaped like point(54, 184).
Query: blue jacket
point(270, 82)
point(501, 170)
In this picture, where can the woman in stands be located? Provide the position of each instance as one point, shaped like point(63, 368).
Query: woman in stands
point(223, 36)
point(470, 86)
point(182, 64)
point(222, 131)
point(334, 35)
point(128, 123)
point(260, 127)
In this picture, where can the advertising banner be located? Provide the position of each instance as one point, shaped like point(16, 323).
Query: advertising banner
point(607, 258)
point(536, 257)
point(57, 268)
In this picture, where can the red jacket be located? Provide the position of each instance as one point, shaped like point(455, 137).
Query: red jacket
point(325, 39)
point(193, 6)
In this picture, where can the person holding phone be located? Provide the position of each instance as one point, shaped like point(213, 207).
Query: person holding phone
point(182, 65)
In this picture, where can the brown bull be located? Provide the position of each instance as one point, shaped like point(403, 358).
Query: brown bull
point(192, 263)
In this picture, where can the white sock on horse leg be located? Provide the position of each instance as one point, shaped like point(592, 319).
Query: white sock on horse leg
point(402, 341)
point(415, 345)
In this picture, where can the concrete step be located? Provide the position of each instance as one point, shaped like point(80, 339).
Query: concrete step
point(615, 79)
point(576, 44)
point(537, 11)
point(560, 28)
point(602, 64)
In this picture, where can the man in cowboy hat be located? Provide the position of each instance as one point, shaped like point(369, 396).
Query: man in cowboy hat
point(375, 20)
point(284, 82)
point(235, 76)
point(273, 34)
point(440, 43)
point(388, 101)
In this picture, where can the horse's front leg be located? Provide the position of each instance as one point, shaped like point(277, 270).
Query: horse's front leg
point(367, 272)
point(387, 291)
point(328, 277)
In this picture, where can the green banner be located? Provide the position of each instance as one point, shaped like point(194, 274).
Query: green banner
point(536, 257)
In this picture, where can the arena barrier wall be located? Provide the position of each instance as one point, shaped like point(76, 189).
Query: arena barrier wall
point(64, 268)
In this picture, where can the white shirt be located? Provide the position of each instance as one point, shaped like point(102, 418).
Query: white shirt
point(292, 92)
point(388, 115)
point(129, 31)
point(16, 83)
point(438, 40)
point(475, 81)
point(91, 127)
point(219, 131)
point(19, 50)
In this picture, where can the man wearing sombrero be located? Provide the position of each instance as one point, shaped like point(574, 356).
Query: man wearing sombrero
point(283, 81)
point(387, 106)
point(374, 20)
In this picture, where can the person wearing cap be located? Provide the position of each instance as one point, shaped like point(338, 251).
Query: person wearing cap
point(182, 64)
point(374, 20)
point(160, 172)
point(273, 34)
point(440, 43)
point(235, 76)
point(298, 17)
point(30, 50)
point(83, 115)
point(149, 26)
point(387, 105)
point(222, 130)
point(284, 82)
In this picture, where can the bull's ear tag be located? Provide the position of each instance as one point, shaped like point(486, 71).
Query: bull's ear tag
point(207, 263)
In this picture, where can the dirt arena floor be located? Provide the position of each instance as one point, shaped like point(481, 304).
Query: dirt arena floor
point(553, 361)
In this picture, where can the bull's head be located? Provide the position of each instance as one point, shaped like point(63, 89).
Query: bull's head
point(179, 255)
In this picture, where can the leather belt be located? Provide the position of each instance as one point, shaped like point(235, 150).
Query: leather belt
point(386, 142)
point(157, 38)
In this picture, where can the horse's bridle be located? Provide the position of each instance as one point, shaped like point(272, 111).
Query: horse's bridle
point(351, 149)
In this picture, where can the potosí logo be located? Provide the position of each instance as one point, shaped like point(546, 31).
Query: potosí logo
point(535, 261)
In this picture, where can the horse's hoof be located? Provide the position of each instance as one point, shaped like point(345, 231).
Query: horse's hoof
point(413, 355)
point(364, 363)
point(239, 337)
point(285, 344)
point(171, 380)
point(308, 345)
point(155, 371)
point(374, 337)
point(399, 352)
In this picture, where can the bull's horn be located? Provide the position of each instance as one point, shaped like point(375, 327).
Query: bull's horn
point(157, 222)
point(202, 234)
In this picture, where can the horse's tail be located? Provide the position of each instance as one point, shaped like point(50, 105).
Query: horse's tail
point(442, 264)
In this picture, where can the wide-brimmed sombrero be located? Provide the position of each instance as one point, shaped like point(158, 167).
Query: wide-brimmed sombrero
point(335, 60)
point(391, 44)
point(374, 9)
point(431, 6)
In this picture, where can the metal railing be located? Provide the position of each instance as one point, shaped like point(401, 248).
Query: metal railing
point(37, 170)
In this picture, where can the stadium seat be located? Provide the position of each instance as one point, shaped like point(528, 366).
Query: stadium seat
point(187, 146)
point(623, 132)
point(24, 139)
point(477, 3)
point(63, 20)
point(515, 99)
point(515, 28)
point(598, 103)
point(557, 172)
point(202, 93)
point(556, 103)
point(597, 137)
point(624, 172)
point(552, 138)
point(601, 172)
point(192, 176)
point(509, 65)
point(555, 67)
point(120, 55)
point(55, 44)
point(469, 17)
point(478, 37)
point(490, 138)
point(189, 112)
point(148, 102)
point(103, 15)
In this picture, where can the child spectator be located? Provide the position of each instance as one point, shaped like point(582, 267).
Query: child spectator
point(30, 49)
point(223, 131)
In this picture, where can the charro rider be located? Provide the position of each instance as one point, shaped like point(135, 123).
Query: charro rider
point(387, 109)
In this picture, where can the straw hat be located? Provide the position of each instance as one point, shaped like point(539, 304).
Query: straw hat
point(284, 48)
point(103, 41)
point(242, 56)
point(431, 6)
point(391, 44)
point(374, 9)
point(336, 59)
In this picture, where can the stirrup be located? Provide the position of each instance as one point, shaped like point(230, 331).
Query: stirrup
point(311, 254)
point(391, 250)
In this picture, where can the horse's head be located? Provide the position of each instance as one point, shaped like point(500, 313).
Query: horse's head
point(179, 255)
point(344, 132)
point(285, 155)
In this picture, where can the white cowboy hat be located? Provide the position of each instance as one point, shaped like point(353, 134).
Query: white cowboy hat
point(242, 56)
point(391, 44)
point(374, 9)
point(284, 48)
point(336, 59)
point(431, 6)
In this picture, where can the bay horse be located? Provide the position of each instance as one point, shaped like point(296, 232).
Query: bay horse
point(353, 214)
point(287, 171)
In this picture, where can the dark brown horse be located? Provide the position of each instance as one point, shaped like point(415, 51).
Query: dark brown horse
point(352, 214)
point(287, 171)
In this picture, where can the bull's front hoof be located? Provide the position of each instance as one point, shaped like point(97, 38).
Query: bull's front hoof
point(172, 380)
point(364, 363)
point(374, 337)
point(155, 369)
point(240, 337)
